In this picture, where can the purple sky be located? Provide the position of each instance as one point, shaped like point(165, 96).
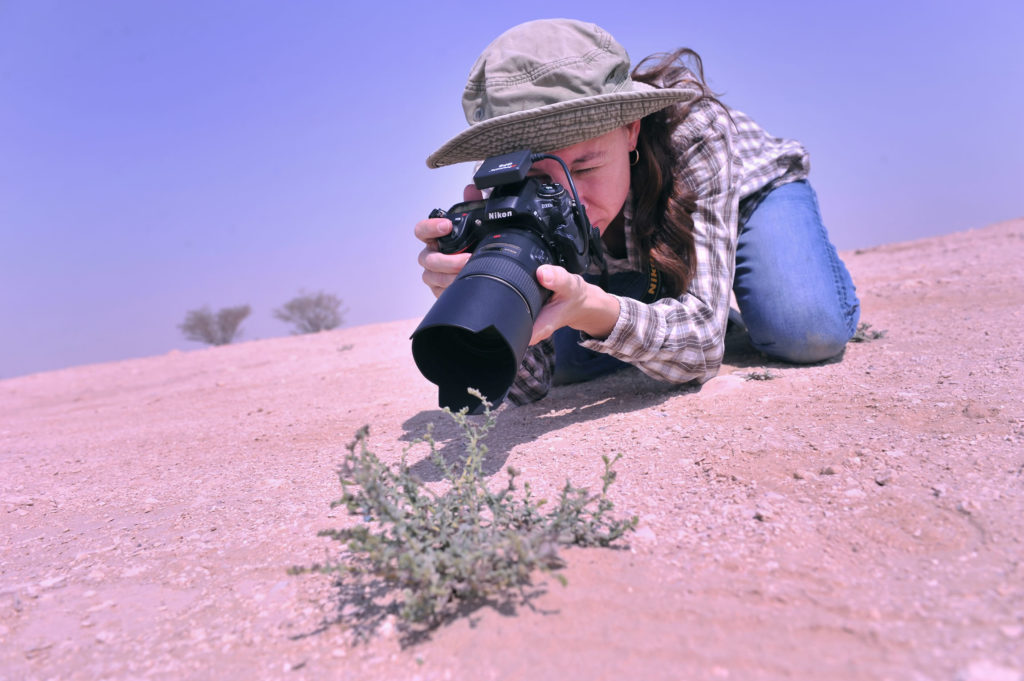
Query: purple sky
point(156, 157)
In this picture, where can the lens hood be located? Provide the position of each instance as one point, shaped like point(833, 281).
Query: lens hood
point(474, 336)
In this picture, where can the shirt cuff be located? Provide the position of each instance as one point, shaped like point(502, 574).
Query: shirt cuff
point(625, 328)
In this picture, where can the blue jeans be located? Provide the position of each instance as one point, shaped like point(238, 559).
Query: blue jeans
point(794, 293)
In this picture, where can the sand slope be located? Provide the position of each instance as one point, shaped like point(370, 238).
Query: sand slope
point(860, 519)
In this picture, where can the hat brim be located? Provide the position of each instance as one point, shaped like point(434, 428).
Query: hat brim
point(557, 126)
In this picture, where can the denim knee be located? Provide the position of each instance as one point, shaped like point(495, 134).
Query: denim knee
point(795, 294)
point(813, 336)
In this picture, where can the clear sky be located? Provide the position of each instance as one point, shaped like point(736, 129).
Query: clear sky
point(156, 157)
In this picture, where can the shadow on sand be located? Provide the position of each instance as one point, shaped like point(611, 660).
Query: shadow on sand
point(623, 392)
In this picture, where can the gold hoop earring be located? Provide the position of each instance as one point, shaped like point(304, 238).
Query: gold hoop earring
point(633, 160)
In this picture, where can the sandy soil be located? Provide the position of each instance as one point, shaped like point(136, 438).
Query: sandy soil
point(860, 519)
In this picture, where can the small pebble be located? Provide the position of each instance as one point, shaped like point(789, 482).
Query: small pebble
point(387, 627)
point(968, 506)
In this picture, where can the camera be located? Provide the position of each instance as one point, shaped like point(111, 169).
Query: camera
point(476, 333)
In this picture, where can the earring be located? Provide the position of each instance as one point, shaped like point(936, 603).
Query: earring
point(633, 160)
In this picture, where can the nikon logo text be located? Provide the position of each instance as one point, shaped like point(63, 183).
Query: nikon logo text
point(498, 214)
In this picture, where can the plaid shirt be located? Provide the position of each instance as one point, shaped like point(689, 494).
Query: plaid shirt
point(730, 162)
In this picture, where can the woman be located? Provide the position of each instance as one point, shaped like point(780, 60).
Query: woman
point(693, 200)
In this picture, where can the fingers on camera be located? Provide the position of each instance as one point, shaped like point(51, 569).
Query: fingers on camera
point(429, 230)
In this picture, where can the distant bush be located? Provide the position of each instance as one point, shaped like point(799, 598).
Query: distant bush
point(311, 312)
point(204, 326)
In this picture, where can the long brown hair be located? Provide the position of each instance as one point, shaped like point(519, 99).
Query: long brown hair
point(663, 205)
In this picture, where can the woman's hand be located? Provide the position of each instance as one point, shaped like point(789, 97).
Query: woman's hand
point(439, 269)
point(573, 303)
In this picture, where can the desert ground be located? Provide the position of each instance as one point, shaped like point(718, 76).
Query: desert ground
point(857, 519)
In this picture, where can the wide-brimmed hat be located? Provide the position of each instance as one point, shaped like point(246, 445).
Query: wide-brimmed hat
point(549, 84)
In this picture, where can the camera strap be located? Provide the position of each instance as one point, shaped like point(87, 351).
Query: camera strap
point(653, 284)
point(646, 287)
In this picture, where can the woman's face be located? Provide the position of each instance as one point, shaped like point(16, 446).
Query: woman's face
point(600, 171)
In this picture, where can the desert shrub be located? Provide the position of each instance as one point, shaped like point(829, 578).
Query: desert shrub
point(765, 375)
point(865, 333)
point(311, 312)
point(466, 543)
point(204, 326)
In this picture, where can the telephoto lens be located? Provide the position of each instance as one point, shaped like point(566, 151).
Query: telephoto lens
point(477, 332)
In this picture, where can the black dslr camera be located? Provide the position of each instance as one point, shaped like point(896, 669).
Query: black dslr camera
point(477, 332)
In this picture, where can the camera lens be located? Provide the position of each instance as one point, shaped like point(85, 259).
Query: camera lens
point(477, 332)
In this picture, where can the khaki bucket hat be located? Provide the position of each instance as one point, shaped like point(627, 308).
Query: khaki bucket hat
point(549, 84)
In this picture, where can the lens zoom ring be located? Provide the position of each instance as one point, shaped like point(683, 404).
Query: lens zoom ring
point(510, 272)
